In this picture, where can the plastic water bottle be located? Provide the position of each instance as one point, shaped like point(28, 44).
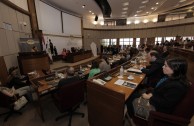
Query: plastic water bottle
point(80, 68)
point(121, 71)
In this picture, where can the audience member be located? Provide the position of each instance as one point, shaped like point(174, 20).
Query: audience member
point(94, 69)
point(154, 70)
point(16, 80)
point(64, 53)
point(104, 64)
point(34, 49)
point(69, 77)
point(169, 90)
point(51, 46)
point(165, 52)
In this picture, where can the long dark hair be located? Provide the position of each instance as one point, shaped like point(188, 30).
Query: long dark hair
point(179, 67)
point(95, 65)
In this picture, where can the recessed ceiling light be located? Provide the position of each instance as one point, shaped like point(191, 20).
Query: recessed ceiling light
point(102, 23)
point(154, 20)
point(182, 1)
point(157, 3)
point(147, 12)
point(152, 8)
point(83, 6)
point(145, 1)
point(126, 4)
point(126, 8)
point(136, 21)
point(145, 21)
point(90, 11)
point(135, 15)
point(138, 11)
point(128, 22)
point(95, 22)
point(142, 7)
point(124, 12)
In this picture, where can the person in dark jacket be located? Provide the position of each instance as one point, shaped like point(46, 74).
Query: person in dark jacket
point(16, 80)
point(154, 70)
point(70, 77)
point(170, 90)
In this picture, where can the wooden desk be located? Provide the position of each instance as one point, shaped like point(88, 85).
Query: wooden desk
point(78, 56)
point(106, 103)
point(43, 87)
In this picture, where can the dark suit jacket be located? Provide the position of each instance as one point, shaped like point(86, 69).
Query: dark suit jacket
point(154, 72)
point(167, 95)
point(67, 81)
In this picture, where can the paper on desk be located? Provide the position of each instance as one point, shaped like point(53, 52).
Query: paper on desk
point(119, 82)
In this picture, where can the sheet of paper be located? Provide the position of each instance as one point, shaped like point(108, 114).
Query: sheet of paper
point(119, 82)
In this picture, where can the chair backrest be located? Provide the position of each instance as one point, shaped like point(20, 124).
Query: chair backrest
point(70, 95)
point(6, 101)
point(185, 108)
point(105, 106)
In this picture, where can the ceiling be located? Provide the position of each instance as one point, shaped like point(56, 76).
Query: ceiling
point(131, 10)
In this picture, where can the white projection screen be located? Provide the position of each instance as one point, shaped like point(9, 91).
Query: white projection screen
point(71, 25)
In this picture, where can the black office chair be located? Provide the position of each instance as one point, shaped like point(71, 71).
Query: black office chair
point(68, 98)
point(8, 103)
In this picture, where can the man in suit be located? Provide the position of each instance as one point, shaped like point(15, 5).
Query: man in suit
point(70, 77)
point(154, 70)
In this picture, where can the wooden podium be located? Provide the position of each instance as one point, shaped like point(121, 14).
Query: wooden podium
point(30, 61)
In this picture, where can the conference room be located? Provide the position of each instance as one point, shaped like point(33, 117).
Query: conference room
point(49, 42)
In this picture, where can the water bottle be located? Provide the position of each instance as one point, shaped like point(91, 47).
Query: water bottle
point(121, 71)
point(80, 68)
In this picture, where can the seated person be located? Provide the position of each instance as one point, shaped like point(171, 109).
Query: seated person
point(15, 79)
point(64, 53)
point(104, 64)
point(34, 49)
point(154, 70)
point(168, 91)
point(94, 69)
point(12, 91)
point(165, 52)
point(69, 77)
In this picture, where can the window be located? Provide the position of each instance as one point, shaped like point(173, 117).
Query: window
point(137, 42)
point(169, 38)
point(107, 42)
point(123, 42)
point(158, 40)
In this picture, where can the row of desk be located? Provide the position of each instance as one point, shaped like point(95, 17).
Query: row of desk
point(44, 86)
point(106, 103)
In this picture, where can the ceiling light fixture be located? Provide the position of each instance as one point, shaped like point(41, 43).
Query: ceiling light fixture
point(145, 21)
point(138, 11)
point(124, 12)
point(157, 3)
point(137, 22)
point(142, 7)
point(182, 1)
point(135, 15)
point(93, 13)
point(145, 1)
point(83, 6)
point(128, 22)
point(126, 4)
point(154, 20)
point(90, 11)
point(126, 8)
point(152, 8)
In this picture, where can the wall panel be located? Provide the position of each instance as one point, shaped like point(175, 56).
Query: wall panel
point(13, 19)
point(4, 48)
